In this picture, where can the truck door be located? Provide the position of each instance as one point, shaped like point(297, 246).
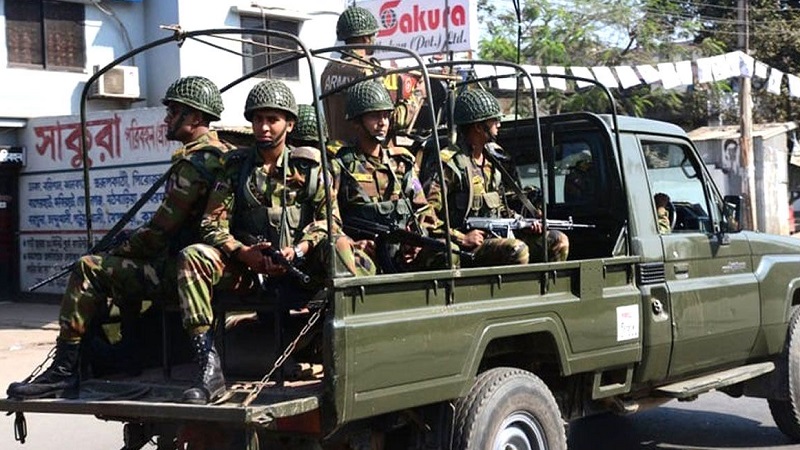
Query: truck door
point(713, 292)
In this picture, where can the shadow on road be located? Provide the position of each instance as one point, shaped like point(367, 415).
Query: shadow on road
point(673, 428)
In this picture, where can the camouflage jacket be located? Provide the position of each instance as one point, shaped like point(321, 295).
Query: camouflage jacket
point(245, 184)
point(473, 190)
point(176, 222)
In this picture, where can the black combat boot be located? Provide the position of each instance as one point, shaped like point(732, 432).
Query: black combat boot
point(209, 383)
point(60, 380)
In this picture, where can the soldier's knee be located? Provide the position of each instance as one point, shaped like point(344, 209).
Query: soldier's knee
point(520, 253)
point(558, 245)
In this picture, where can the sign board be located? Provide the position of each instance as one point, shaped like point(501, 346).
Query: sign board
point(425, 26)
point(14, 156)
point(127, 152)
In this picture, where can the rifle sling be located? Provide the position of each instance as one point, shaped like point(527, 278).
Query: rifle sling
point(130, 213)
point(512, 183)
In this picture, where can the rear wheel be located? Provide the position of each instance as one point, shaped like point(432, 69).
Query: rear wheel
point(508, 409)
point(786, 412)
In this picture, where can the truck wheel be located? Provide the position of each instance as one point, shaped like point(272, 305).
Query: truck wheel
point(508, 408)
point(786, 413)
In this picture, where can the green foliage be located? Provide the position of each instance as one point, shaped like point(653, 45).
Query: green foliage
point(629, 32)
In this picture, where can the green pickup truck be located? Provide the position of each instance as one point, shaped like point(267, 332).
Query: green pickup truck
point(489, 357)
point(640, 313)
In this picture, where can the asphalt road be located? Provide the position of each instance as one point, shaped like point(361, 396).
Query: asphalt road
point(714, 421)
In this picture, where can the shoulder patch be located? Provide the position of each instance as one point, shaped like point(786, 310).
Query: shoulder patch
point(447, 155)
point(401, 152)
point(309, 153)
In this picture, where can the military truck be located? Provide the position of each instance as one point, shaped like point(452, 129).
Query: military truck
point(499, 357)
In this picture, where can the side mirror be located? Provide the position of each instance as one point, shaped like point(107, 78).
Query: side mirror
point(732, 214)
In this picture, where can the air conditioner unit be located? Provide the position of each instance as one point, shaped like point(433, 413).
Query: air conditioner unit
point(119, 81)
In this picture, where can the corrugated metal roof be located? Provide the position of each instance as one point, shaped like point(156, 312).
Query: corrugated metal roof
point(764, 131)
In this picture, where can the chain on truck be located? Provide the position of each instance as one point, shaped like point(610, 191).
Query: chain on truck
point(640, 313)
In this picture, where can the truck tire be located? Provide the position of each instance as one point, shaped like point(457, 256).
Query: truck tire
point(786, 413)
point(508, 408)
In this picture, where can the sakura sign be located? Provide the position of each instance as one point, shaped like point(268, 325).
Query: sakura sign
point(425, 26)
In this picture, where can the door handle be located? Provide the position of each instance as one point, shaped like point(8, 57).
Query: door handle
point(681, 268)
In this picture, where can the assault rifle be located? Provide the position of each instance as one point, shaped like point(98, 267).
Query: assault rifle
point(276, 256)
point(395, 234)
point(504, 228)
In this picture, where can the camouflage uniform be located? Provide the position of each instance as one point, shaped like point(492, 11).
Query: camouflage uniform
point(384, 188)
point(141, 267)
point(477, 191)
point(305, 132)
point(285, 207)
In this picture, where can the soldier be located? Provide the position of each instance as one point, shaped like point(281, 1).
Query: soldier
point(475, 188)
point(306, 134)
point(579, 184)
point(271, 196)
point(143, 266)
point(663, 205)
point(377, 182)
point(356, 25)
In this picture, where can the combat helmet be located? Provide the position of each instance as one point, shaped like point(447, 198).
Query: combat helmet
point(355, 21)
point(272, 94)
point(306, 127)
point(367, 96)
point(197, 92)
point(475, 106)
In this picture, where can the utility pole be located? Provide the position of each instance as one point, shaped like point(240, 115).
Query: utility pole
point(747, 160)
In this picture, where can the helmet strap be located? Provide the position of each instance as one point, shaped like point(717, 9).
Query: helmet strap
point(269, 145)
point(178, 123)
point(374, 139)
point(489, 136)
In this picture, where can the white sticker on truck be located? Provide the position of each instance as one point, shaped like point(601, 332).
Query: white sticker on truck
point(627, 322)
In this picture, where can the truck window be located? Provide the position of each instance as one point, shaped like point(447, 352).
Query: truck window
point(673, 170)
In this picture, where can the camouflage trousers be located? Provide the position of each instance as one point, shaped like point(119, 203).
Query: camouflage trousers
point(202, 269)
point(101, 280)
point(528, 248)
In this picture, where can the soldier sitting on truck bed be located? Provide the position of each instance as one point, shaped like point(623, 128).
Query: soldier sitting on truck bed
point(378, 186)
point(270, 198)
point(475, 189)
point(143, 267)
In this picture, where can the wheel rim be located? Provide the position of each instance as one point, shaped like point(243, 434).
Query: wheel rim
point(520, 431)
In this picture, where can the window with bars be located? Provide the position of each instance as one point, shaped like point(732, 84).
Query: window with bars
point(45, 34)
point(270, 49)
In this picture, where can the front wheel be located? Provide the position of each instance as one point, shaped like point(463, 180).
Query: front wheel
point(786, 413)
point(510, 409)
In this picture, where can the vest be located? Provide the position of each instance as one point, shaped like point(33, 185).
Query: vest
point(466, 202)
point(280, 224)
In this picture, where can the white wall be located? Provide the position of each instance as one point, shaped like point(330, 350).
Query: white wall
point(317, 30)
point(27, 93)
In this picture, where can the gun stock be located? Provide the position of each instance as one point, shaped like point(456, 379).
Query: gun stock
point(395, 234)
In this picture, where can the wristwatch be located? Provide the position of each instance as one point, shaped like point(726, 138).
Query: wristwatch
point(298, 251)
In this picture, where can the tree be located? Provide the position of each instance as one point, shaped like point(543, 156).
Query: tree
point(602, 33)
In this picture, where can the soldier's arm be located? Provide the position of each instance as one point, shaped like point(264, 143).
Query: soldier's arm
point(317, 230)
point(188, 188)
point(215, 225)
point(436, 199)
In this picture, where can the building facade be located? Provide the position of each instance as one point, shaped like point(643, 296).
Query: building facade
point(50, 48)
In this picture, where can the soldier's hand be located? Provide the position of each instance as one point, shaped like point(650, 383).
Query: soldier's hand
point(473, 239)
point(367, 246)
point(253, 257)
point(275, 269)
point(536, 227)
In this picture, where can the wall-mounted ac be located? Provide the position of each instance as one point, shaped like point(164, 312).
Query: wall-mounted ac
point(120, 81)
